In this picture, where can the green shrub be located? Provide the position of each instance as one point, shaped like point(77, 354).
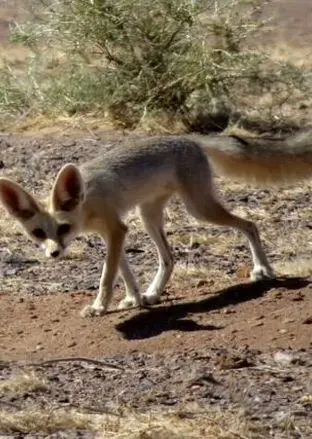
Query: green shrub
point(134, 58)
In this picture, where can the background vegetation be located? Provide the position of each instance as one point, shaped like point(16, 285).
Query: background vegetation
point(133, 62)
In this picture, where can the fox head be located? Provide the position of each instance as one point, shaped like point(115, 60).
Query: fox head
point(55, 227)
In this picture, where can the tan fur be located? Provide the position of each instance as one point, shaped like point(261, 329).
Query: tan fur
point(146, 173)
point(261, 160)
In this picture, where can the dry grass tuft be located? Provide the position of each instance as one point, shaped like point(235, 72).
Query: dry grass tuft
point(300, 56)
point(298, 267)
point(23, 383)
point(190, 273)
point(237, 130)
point(47, 421)
point(194, 424)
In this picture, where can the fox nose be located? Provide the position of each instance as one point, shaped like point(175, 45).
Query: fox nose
point(52, 248)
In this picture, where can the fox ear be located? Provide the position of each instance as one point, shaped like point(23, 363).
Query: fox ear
point(68, 190)
point(18, 202)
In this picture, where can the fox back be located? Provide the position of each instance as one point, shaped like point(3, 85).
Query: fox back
point(135, 171)
point(130, 174)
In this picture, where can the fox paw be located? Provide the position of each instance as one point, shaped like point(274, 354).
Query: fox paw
point(262, 273)
point(93, 311)
point(150, 298)
point(128, 302)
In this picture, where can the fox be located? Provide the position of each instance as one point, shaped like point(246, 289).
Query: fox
point(95, 196)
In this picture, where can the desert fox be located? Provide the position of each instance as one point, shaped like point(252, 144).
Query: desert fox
point(146, 173)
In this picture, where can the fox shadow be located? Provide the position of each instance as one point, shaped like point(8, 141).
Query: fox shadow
point(152, 321)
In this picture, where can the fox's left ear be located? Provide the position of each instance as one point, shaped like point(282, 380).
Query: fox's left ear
point(68, 190)
point(17, 201)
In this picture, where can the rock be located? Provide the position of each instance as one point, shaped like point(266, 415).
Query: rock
point(283, 358)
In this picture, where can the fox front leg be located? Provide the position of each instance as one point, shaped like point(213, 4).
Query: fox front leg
point(114, 241)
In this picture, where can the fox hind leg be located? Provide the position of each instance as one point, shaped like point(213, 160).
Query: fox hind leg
point(203, 204)
point(152, 217)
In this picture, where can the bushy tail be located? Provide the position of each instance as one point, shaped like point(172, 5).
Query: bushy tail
point(260, 160)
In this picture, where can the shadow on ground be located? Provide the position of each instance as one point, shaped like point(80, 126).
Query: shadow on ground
point(154, 321)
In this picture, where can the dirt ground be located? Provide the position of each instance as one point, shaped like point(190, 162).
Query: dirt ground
point(216, 339)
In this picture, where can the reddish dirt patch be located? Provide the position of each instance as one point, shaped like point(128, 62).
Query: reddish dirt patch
point(264, 316)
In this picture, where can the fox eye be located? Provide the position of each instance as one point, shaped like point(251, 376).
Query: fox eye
point(63, 229)
point(39, 233)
